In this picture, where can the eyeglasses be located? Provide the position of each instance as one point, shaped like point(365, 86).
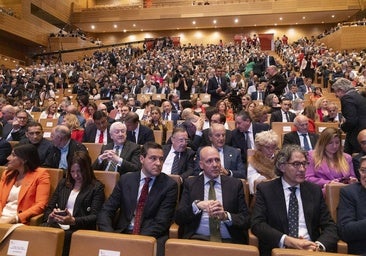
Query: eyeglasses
point(362, 170)
point(299, 164)
point(22, 117)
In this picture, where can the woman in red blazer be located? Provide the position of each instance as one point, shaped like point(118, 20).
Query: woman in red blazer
point(24, 187)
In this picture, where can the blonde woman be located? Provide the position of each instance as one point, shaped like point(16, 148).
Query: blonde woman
point(72, 122)
point(328, 163)
point(261, 163)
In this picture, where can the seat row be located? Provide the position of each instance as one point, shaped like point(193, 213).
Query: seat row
point(30, 240)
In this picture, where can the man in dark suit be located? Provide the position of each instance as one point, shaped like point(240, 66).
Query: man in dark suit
point(63, 148)
point(160, 200)
point(5, 149)
point(334, 116)
point(291, 212)
point(244, 134)
point(178, 150)
point(301, 134)
point(16, 130)
point(284, 114)
point(353, 110)
point(34, 134)
point(98, 131)
point(137, 132)
point(215, 118)
point(352, 213)
point(30, 107)
point(217, 87)
point(231, 164)
point(276, 82)
point(167, 113)
point(361, 138)
point(219, 216)
point(119, 155)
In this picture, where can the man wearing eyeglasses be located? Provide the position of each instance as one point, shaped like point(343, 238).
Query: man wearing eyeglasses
point(290, 212)
point(178, 159)
point(352, 213)
point(34, 135)
point(361, 138)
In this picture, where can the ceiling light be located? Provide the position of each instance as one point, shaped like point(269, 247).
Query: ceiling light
point(194, 22)
point(303, 17)
point(214, 21)
point(124, 31)
point(236, 20)
point(333, 16)
point(134, 25)
point(115, 26)
point(92, 27)
point(281, 18)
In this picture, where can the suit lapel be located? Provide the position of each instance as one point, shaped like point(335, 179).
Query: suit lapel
point(282, 211)
point(133, 189)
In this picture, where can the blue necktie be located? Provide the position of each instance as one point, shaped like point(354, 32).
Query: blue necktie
point(306, 143)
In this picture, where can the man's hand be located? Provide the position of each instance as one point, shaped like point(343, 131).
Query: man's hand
point(299, 243)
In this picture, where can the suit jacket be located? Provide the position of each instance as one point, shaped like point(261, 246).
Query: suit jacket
point(289, 95)
point(158, 211)
point(44, 148)
point(91, 131)
point(145, 134)
point(302, 88)
point(205, 141)
point(351, 218)
point(213, 86)
point(233, 202)
point(173, 115)
point(269, 217)
point(5, 151)
point(33, 195)
point(186, 161)
point(87, 205)
point(130, 154)
point(232, 162)
point(55, 155)
point(293, 138)
point(254, 95)
point(238, 139)
point(354, 111)
point(276, 116)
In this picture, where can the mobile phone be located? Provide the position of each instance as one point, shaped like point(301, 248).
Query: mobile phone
point(61, 213)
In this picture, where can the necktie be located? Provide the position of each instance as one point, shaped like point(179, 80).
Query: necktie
point(287, 117)
point(112, 166)
point(140, 206)
point(306, 143)
point(101, 137)
point(293, 214)
point(214, 222)
point(134, 136)
point(175, 165)
point(259, 95)
point(247, 140)
point(295, 96)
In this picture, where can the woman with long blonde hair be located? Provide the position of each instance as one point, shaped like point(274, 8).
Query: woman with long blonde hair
point(328, 163)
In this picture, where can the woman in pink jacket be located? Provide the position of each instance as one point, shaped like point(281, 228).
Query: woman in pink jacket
point(328, 163)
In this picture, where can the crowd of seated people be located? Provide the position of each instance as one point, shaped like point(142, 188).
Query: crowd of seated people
point(127, 142)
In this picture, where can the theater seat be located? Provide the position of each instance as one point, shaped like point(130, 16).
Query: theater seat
point(295, 252)
point(41, 240)
point(109, 179)
point(184, 247)
point(88, 242)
